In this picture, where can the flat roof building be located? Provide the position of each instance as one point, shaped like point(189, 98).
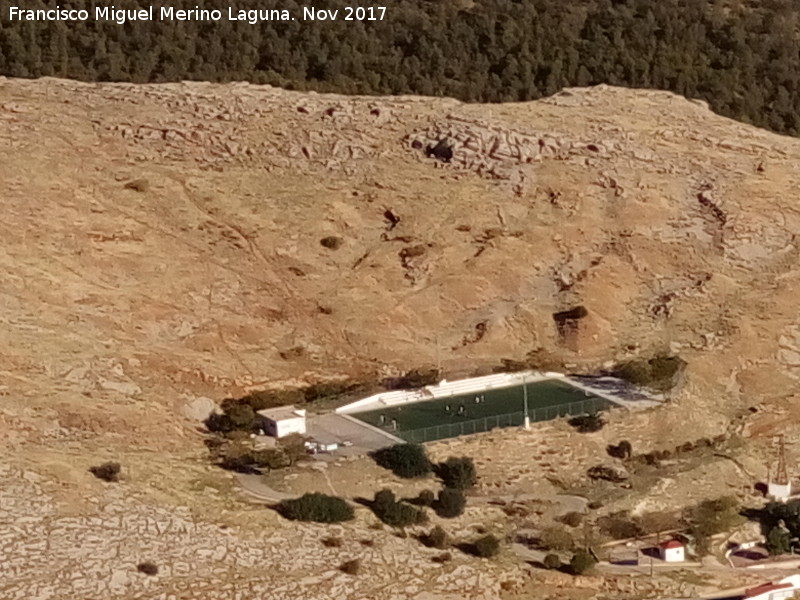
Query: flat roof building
point(283, 420)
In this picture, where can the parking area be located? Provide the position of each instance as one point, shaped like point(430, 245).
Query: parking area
point(353, 437)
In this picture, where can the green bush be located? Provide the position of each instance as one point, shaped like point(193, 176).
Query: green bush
point(620, 526)
point(401, 514)
point(582, 562)
point(587, 423)
point(394, 513)
point(623, 450)
point(436, 538)
point(556, 538)
point(383, 500)
point(606, 474)
point(714, 516)
point(426, 498)
point(778, 541)
point(332, 242)
point(108, 471)
point(404, 460)
point(241, 459)
point(458, 473)
point(332, 542)
point(552, 561)
point(148, 568)
point(450, 503)
point(316, 507)
point(219, 423)
point(571, 519)
point(351, 567)
point(486, 546)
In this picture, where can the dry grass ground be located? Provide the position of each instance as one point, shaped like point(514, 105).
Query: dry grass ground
point(119, 303)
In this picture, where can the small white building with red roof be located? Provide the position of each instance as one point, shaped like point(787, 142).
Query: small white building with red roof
point(780, 590)
point(672, 551)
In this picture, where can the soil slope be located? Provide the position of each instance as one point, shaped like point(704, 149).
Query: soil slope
point(163, 243)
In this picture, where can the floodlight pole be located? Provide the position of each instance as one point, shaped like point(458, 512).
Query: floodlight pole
point(525, 403)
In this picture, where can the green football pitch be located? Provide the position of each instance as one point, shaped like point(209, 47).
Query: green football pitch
point(481, 411)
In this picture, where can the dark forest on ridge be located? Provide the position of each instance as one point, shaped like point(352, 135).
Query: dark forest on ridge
point(742, 58)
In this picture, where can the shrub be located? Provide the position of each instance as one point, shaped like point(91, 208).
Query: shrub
point(404, 460)
point(351, 567)
point(623, 450)
point(582, 562)
point(401, 514)
point(556, 538)
point(394, 513)
point(242, 416)
point(778, 541)
point(316, 507)
point(620, 526)
point(552, 561)
point(108, 471)
point(332, 242)
point(383, 500)
point(436, 538)
point(572, 519)
point(450, 503)
point(138, 185)
point(293, 447)
point(458, 473)
point(711, 517)
point(587, 423)
point(486, 546)
point(606, 474)
point(242, 462)
point(219, 423)
point(426, 498)
point(148, 568)
point(332, 542)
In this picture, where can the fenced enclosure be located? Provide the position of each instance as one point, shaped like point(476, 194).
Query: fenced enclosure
point(515, 419)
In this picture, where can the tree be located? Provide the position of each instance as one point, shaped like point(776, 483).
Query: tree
point(555, 538)
point(426, 498)
point(351, 567)
point(108, 471)
point(404, 460)
point(458, 473)
point(582, 562)
point(394, 513)
point(486, 546)
point(552, 561)
point(623, 450)
point(437, 538)
point(711, 517)
point(316, 507)
point(587, 423)
point(778, 541)
point(242, 416)
point(450, 503)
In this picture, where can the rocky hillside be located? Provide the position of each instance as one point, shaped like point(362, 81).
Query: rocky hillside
point(166, 243)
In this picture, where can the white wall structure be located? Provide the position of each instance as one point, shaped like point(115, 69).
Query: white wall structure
point(672, 551)
point(444, 388)
point(780, 590)
point(283, 421)
point(778, 491)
